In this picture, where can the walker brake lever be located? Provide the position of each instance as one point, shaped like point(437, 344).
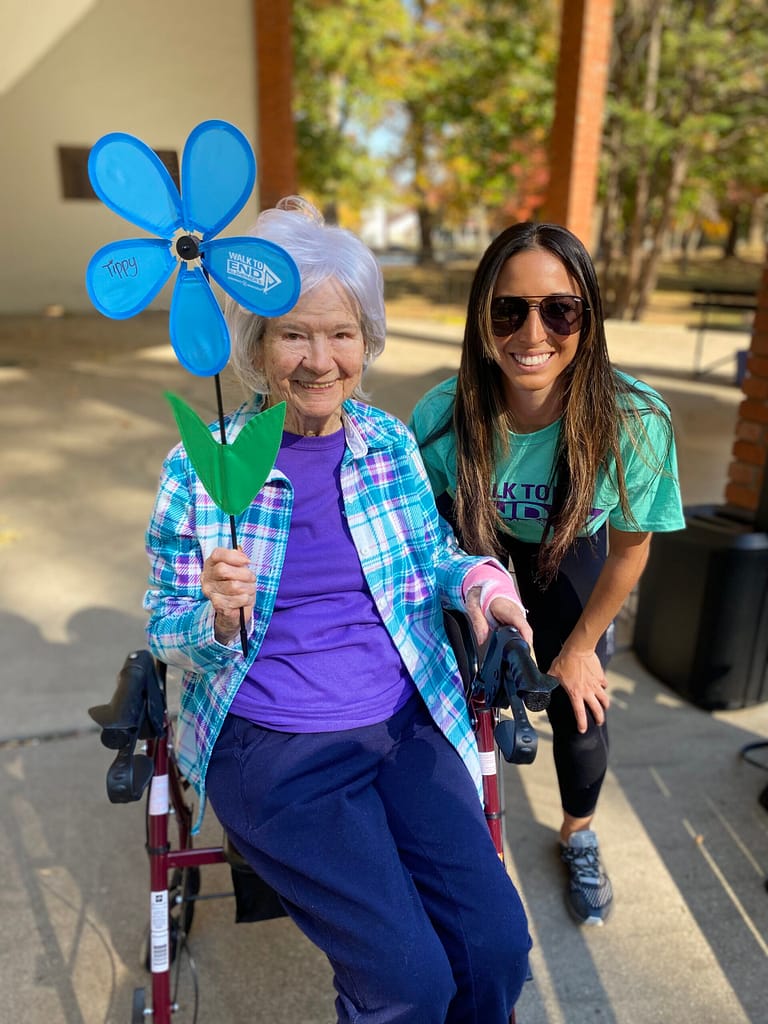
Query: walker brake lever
point(509, 677)
point(508, 670)
point(515, 737)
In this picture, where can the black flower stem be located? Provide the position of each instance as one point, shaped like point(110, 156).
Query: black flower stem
point(232, 525)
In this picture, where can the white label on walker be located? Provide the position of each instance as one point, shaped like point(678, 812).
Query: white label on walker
point(158, 910)
point(159, 946)
point(158, 795)
point(488, 762)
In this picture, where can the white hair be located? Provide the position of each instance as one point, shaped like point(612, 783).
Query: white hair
point(322, 253)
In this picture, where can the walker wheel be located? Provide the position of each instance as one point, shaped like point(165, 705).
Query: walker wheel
point(139, 1005)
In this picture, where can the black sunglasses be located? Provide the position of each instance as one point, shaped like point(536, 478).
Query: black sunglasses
point(560, 313)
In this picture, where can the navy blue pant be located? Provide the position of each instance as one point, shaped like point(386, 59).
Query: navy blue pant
point(376, 842)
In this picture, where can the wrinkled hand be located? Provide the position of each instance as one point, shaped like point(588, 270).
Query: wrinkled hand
point(581, 676)
point(506, 613)
point(229, 585)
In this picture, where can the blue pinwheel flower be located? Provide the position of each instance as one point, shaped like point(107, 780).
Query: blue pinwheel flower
point(218, 171)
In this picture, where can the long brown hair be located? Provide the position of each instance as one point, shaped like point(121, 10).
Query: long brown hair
point(596, 410)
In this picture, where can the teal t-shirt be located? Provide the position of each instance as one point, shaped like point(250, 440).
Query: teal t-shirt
point(522, 487)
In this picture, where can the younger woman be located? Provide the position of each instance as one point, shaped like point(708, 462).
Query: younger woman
point(541, 450)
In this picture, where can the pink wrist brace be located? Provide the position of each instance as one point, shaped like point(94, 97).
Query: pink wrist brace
point(497, 588)
point(493, 582)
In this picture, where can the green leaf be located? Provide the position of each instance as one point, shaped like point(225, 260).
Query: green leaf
point(233, 473)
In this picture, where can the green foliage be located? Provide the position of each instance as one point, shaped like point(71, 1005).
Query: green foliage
point(446, 107)
point(342, 53)
point(478, 91)
point(463, 90)
point(685, 126)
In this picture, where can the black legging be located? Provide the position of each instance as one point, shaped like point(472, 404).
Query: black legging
point(581, 759)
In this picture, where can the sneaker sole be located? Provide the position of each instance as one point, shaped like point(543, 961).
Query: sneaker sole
point(589, 922)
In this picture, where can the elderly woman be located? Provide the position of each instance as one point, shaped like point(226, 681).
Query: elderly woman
point(338, 754)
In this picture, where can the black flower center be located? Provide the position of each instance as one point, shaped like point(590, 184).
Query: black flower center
point(186, 247)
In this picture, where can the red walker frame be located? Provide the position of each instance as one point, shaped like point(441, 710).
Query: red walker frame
point(143, 715)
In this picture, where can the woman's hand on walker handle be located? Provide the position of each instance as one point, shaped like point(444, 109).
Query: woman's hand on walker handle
point(505, 611)
point(581, 676)
point(229, 584)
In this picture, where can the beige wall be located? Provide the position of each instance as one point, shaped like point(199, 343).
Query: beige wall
point(154, 69)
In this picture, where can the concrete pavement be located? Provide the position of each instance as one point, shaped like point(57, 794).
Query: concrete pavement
point(685, 840)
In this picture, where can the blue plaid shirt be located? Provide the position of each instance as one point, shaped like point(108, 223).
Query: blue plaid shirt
point(408, 554)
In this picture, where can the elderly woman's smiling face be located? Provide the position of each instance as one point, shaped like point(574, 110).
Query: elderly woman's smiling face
point(313, 357)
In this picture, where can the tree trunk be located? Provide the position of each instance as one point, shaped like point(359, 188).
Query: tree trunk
point(426, 254)
point(734, 227)
point(608, 264)
point(417, 136)
point(628, 291)
point(650, 268)
point(331, 212)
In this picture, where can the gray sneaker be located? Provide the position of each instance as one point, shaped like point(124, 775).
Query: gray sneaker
point(590, 894)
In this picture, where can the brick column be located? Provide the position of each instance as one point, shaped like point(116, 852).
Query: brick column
point(276, 137)
point(747, 486)
point(582, 75)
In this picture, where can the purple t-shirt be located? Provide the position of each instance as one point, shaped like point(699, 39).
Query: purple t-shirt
point(327, 661)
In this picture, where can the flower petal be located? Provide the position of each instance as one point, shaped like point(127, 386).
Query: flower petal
point(258, 274)
point(218, 170)
point(123, 277)
point(199, 333)
point(130, 179)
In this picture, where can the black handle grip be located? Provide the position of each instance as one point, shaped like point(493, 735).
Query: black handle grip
point(508, 670)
